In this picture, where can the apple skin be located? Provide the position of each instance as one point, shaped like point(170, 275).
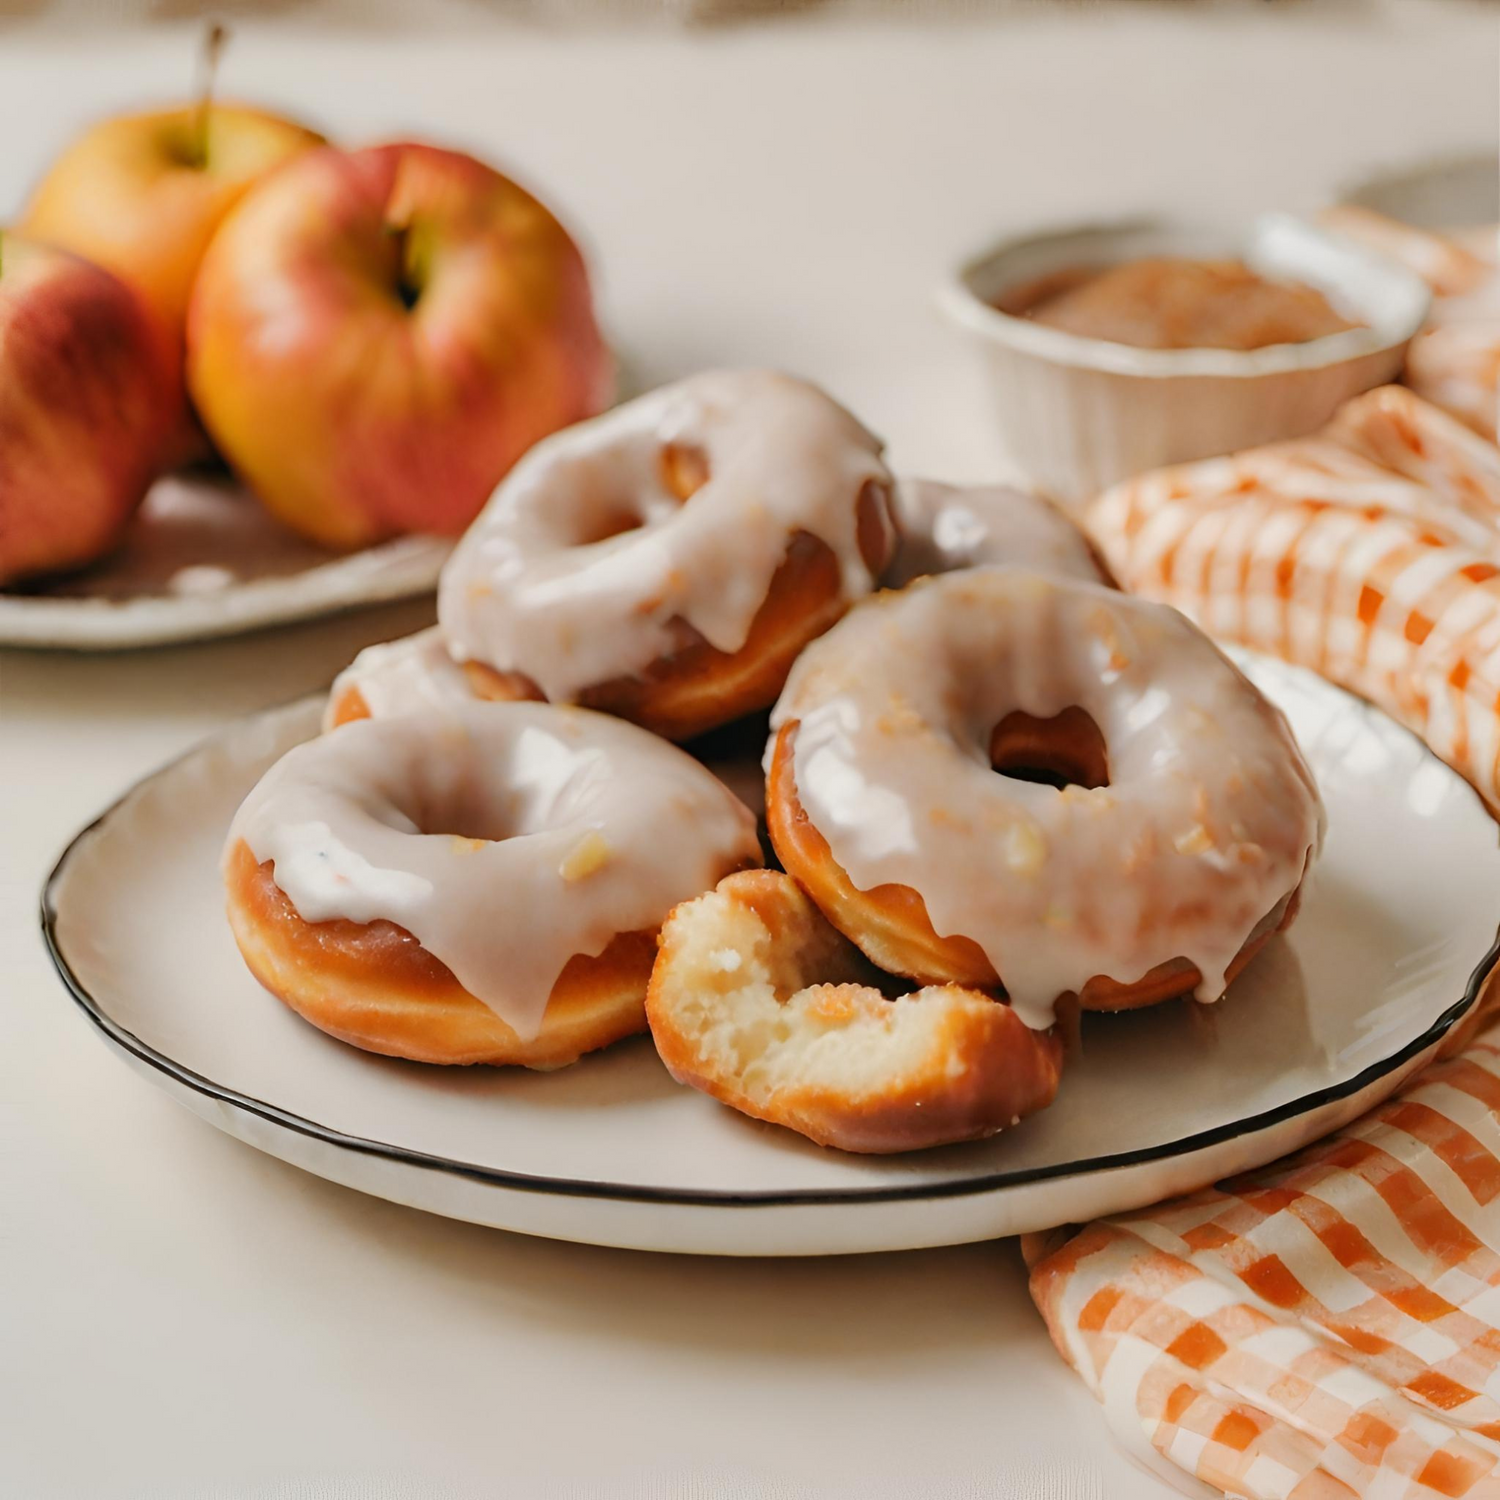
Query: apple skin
point(85, 407)
point(131, 195)
point(376, 336)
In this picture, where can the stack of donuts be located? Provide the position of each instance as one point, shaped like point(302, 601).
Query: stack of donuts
point(994, 790)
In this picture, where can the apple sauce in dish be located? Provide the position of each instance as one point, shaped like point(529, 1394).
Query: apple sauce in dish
point(1174, 302)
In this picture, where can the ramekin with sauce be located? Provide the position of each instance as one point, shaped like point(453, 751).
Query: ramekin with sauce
point(1077, 412)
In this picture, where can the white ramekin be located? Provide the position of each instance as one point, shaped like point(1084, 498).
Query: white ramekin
point(1076, 414)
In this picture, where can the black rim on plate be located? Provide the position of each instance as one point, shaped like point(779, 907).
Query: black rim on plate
point(584, 1188)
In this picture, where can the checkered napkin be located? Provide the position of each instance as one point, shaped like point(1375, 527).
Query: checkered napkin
point(1326, 1328)
point(1369, 552)
point(1455, 360)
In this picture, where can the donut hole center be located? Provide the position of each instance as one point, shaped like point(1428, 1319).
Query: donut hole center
point(472, 819)
point(683, 470)
point(615, 521)
point(1065, 750)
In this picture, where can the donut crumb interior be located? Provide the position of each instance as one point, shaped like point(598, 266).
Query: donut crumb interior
point(766, 991)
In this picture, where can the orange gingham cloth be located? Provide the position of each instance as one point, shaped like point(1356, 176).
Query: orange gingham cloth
point(1322, 1329)
point(1454, 361)
point(1369, 552)
point(1328, 1327)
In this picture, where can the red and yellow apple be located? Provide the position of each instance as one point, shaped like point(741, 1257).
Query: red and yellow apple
point(85, 406)
point(142, 194)
point(376, 336)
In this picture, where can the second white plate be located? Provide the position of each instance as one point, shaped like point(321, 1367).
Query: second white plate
point(202, 559)
point(1396, 934)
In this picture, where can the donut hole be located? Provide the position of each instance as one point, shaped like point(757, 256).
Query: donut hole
point(470, 824)
point(1065, 750)
point(615, 521)
point(683, 469)
point(457, 812)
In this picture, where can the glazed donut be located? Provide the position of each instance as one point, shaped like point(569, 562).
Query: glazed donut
point(481, 884)
point(667, 561)
point(1172, 840)
point(758, 1002)
point(944, 527)
point(414, 674)
point(417, 674)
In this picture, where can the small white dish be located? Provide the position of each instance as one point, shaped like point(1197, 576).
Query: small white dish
point(1396, 936)
point(202, 559)
point(1077, 414)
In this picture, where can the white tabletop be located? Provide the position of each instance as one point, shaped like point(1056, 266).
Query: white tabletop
point(180, 1316)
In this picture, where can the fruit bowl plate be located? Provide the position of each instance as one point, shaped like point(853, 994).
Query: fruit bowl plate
point(1394, 944)
point(202, 559)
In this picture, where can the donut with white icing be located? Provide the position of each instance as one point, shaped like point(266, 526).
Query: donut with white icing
point(944, 527)
point(417, 674)
point(1172, 840)
point(479, 883)
point(414, 674)
point(667, 561)
point(761, 1004)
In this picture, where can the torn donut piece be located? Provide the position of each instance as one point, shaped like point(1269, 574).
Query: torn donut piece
point(756, 1000)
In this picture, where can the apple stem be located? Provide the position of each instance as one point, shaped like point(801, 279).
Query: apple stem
point(214, 38)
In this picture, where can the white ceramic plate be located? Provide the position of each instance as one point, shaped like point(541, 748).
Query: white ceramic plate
point(1397, 931)
point(202, 559)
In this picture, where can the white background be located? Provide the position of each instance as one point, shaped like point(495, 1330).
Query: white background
point(182, 1317)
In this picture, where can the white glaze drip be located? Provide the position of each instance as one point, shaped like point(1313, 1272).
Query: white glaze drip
point(945, 527)
point(417, 674)
point(529, 590)
point(1208, 822)
point(505, 837)
point(408, 675)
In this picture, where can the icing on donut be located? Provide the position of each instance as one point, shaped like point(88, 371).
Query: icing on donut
point(506, 838)
point(675, 510)
point(414, 673)
point(1204, 826)
point(417, 674)
point(945, 527)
